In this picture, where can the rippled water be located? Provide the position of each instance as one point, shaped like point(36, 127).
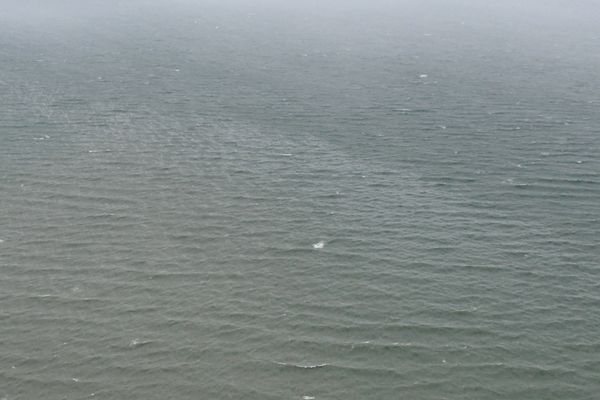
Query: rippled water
point(226, 202)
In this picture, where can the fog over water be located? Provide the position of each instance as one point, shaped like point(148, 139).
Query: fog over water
point(299, 199)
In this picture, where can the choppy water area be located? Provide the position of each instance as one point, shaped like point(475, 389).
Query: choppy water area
point(225, 201)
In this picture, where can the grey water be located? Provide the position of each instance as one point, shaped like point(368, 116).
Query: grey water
point(299, 200)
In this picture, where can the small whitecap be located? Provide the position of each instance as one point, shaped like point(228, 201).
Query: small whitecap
point(302, 366)
point(136, 342)
point(423, 76)
point(318, 245)
point(75, 380)
point(308, 397)
point(578, 162)
point(1, 240)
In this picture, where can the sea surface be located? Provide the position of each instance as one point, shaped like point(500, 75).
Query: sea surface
point(286, 200)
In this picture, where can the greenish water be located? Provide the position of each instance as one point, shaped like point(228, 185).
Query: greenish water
point(167, 170)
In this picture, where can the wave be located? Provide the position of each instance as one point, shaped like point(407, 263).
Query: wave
point(307, 366)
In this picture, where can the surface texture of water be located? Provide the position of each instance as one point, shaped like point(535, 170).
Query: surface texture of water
point(166, 171)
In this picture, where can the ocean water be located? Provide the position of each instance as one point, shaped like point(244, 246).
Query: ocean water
point(254, 200)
